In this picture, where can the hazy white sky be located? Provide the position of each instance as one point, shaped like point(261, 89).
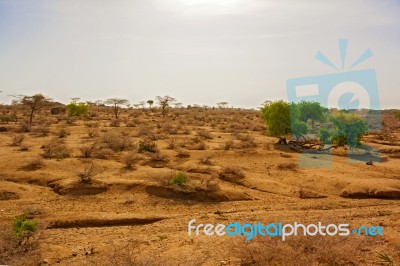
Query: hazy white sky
point(199, 51)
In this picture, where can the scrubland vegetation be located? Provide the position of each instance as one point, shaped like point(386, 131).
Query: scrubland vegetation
point(108, 182)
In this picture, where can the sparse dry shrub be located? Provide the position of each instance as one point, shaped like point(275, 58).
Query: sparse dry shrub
point(63, 132)
point(246, 141)
point(93, 124)
point(211, 185)
point(87, 150)
point(93, 133)
point(157, 160)
point(204, 134)
point(186, 130)
point(235, 126)
point(195, 144)
point(287, 166)
point(32, 211)
point(33, 164)
point(232, 174)
point(182, 153)
point(42, 130)
point(130, 123)
point(117, 142)
point(228, 145)
point(115, 123)
point(169, 128)
point(24, 147)
point(131, 159)
point(89, 171)
point(306, 250)
point(25, 127)
point(148, 146)
point(207, 160)
point(255, 126)
point(171, 144)
point(17, 139)
point(55, 148)
point(102, 152)
point(146, 132)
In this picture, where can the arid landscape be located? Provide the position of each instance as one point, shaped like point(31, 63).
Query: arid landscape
point(107, 191)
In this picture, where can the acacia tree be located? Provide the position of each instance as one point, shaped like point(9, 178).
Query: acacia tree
point(164, 102)
point(116, 103)
point(150, 103)
point(222, 104)
point(35, 103)
point(312, 111)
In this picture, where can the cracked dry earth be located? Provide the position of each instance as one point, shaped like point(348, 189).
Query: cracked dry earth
point(130, 217)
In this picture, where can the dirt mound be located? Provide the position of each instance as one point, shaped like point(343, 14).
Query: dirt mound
point(362, 191)
point(197, 195)
point(102, 222)
point(78, 189)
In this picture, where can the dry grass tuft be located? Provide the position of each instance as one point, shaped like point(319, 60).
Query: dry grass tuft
point(56, 149)
point(33, 164)
point(131, 159)
point(17, 139)
point(232, 174)
point(88, 173)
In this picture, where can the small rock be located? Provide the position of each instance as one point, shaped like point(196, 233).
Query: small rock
point(45, 261)
point(369, 163)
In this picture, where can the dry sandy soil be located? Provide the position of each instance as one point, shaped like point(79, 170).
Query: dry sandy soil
point(133, 216)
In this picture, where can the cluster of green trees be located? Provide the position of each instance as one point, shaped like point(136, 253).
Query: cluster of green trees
point(342, 128)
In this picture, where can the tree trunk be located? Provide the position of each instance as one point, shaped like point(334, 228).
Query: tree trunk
point(31, 116)
point(282, 141)
point(116, 111)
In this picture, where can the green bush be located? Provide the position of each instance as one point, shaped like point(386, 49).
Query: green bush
point(325, 135)
point(77, 109)
point(178, 179)
point(23, 225)
point(348, 129)
point(277, 117)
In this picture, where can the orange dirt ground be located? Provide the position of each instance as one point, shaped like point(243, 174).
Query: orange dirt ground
point(132, 216)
